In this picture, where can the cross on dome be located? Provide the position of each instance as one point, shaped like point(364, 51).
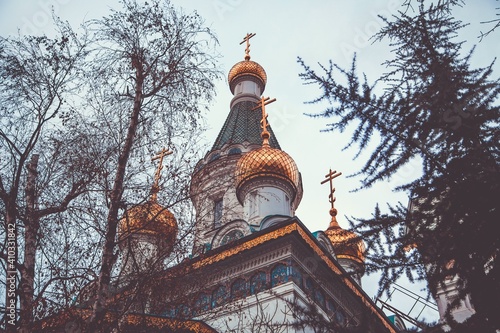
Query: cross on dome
point(247, 40)
point(330, 177)
point(159, 156)
point(263, 123)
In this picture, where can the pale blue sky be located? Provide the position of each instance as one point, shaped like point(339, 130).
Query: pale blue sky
point(317, 31)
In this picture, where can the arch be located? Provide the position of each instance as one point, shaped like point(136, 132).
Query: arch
point(319, 297)
point(258, 283)
point(234, 151)
point(239, 225)
point(219, 296)
point(231, 236)
point(325, 242)
point(271, 220)
point(279, 275)
point(214, 157)
point(201, 304)
point(239, 289)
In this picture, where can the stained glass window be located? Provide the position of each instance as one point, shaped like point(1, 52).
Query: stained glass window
point(279, 275)
point(183, 311)
point(239, 289)
point(231, 236)
point(257, 283)
point(201, 304)
point(219, 296)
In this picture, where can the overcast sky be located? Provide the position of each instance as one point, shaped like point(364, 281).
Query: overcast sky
point(315, 30)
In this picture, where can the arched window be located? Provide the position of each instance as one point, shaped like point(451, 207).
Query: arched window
point(231, 237)
point(218, 205)
point(214, 157)
point(331, 307)
point(201, 304)
point(183, 311)
point(319, 298)
point(257, 283)
point(239, 289)
point(234, 151)
point(219, 296)
point(309, 285)
point(340, 316)
point(279, 275)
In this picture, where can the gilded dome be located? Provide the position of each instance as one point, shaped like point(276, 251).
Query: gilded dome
point(346, 244)
point(267, 161)
point(149, 218)
point(246, 68)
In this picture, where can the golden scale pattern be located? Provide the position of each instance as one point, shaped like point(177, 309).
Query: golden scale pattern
point(267, 161)
point(247, 67)
point(150, 218)
point(346, 244)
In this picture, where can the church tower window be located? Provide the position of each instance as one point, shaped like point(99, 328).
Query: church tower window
point(217, 212)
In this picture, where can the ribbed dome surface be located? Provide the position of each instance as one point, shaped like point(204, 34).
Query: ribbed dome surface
point(246, 67)
point(149, 218)
point(267, 161)
point(346, 244)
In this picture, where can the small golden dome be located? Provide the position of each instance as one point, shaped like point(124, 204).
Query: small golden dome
point(346, 244)
point(149, 218)
point(246, 67)
point(267, 161)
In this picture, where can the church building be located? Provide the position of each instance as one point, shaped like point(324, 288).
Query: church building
point(255, 266)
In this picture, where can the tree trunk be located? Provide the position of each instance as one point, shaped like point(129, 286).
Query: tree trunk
point(108, 255)
point(32, 225)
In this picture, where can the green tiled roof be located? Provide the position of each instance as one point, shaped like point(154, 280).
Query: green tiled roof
point(243, 125)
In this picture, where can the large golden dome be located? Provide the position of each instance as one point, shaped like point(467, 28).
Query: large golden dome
point(246, 68)
point(267, 162)
point(149, 218)
point(346, 244)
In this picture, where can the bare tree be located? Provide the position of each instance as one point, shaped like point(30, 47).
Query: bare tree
point(153, 68)
point(38, 74)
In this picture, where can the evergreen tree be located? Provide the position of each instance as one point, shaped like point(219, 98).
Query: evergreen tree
point(435, 108)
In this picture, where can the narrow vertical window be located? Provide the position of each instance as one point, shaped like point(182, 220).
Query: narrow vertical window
point(217, 212)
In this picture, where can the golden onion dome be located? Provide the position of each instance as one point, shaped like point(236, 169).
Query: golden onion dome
point(149, 218)
point(246, 68)
point(346, 244)
point(267, 162)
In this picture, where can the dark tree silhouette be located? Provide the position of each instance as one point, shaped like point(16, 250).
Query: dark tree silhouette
point(430, 106)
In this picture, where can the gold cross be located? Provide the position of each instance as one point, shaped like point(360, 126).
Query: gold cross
point(164, 152)
point(263, 123)
point(247, 49)
point(330, 177)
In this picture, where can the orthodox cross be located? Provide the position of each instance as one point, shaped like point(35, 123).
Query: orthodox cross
point(247, 49)
point(164, 152)
point(263, 123)
point(330, 177)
